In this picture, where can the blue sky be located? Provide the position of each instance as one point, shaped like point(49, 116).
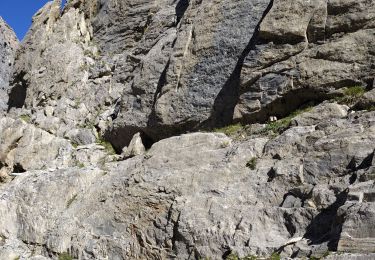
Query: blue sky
point(18, 13)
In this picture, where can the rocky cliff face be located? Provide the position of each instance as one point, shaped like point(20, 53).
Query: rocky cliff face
point(9, 45)
point(280, 97)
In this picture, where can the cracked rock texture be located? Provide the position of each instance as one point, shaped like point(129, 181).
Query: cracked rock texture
point(8, 47)
point(107, 141)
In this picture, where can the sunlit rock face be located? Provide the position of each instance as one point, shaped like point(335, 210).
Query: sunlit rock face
point(190, 129)
point(8, 47)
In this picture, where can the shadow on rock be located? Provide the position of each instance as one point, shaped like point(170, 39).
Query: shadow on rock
point(326, 227)
point(227, 98)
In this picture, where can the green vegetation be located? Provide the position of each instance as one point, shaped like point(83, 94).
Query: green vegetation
point(234, 256)
point(107, 145)
point(275, 256)
point(225, 144)
point(281, 124)
point(356, 91)
point(351, 95)
point(230, 130)
point(273, 128)
point(80, 165)
point(252, 163)
point(70, 201)
point(65, 256)
point(322, 257)
point(25, 118)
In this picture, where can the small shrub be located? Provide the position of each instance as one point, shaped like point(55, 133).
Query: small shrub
point(275, 256)
point(65, 256)
point(351, 95)
point(232, 256)
point(356, 91)
point(278, 126)
point(81, 165)
point(252, 163)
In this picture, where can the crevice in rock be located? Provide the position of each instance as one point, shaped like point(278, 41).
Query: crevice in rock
point(288, 222)
point(227, 252)
point(17, 168)
point(226, 100)
point(176, 234)
point(2, 164)
point(352, 165)
point(271, 175)
point(146, 140)
point(287, 38)
point(367, 162)
point(285, 105)
point(17, 95)
point(161, 83)
point(121, 137)
point(180, 9)
point(353, 178)
point(14, 144)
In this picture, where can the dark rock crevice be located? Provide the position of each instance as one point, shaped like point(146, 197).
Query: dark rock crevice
point(181, 8)
point(17, 95)
point(286, 104)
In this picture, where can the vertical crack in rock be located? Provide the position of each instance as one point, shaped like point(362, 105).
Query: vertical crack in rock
point(181, 8)
point(17, 95)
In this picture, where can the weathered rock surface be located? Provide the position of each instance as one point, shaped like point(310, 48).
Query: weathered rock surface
point(8, 47)
point(135, 147)
point(140, 73)
point(195, 196)
point(167, 67)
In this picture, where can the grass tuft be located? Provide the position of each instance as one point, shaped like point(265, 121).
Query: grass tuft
point(71, 200)
point(65, 256)
point(230, 130)
point(351, 95)
point(252, 163)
